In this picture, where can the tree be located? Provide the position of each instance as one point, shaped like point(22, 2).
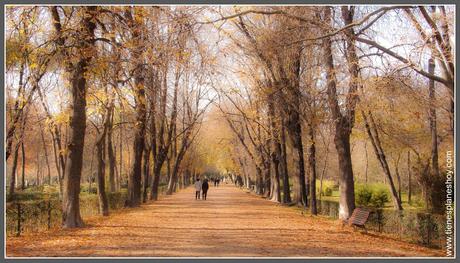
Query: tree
point(84, 53)
point(134, 181)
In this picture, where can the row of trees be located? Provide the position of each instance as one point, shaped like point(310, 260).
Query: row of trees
point(124, 90)
point(104, 83)
point(319, 75)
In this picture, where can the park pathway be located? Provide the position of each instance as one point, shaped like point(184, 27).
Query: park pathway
point(231, 223)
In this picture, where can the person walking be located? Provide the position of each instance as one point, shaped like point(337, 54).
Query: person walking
point(204, 188)
point(197, 188)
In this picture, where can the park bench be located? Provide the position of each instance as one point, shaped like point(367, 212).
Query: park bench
point(358, 218)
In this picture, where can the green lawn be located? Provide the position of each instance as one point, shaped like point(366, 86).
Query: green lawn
point(416, 203)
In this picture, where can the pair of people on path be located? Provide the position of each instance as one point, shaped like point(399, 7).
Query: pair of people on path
point(201, 187)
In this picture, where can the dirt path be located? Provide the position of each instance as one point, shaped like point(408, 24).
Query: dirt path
point(231, 223)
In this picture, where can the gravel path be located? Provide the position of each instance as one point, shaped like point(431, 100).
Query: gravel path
point(231, 223)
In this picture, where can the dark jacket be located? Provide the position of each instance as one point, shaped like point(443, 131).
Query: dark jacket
point(205, 186)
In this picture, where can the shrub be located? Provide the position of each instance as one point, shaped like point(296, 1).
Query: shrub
point(327, 191)
point(363, 196)
point(427, 228)
point(371, 195)
point(335, 186)
point(39, 215)
point(379, 198)
point(417, 201)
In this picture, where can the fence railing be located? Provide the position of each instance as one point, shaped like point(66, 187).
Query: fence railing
point(45, 214)
point(415, 226)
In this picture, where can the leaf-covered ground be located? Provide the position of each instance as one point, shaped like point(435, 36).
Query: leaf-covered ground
point(231, 223)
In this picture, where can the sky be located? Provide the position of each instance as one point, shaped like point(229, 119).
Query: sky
point(390, 30)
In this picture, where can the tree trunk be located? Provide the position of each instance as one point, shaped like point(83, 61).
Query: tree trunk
point(14, 167)
point(117, 173)
point(103, 202)
point(23, 168)
point(18, 111)
point(296, 138)
point(312, 167)
point(367, 163)
point(436, 203)
point(37, 175)
point(323, 171)
point(343, 122)
point(243, 169)
point(295, 128)
point(267, 176)
point(120, 171)
point(110, 152)
point(346, 182)
point(433, 124)
point(71, 201)
point(175, 171)
point(134, 180)
point(380, 154)
point(71, 190)
point(90, 175)
point(398, 177)
point(185, 143)
point(169, 175)
point(409, 183)
point(135, 176)
point(45, 150)
point(157, 172)
point(276, 154)
point(57, 145)
point(60, 170)
point(258, 186)
point(284, 166)
point(146, 173)
point(159, 145)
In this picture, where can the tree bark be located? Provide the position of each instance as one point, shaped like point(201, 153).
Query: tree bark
point(71, 190)
point(135, 176)
point(409, 183)
point(295, 134)
point(146, 173)
point(433, 122)
point(23, 167)
point(380, 154)
point(398, 176)
point(276, 154)
point(172, 134)
point(120, 171)
point(110, 151)
point(100, 145)
point(343, 127)
point(161, 146)
point(14, 166)
point(134, 181)
point(312, 168)
point(57, 144)
point(17, 111)
point(45, 150)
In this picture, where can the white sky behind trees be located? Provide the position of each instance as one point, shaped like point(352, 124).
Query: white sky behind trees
point(392, 29)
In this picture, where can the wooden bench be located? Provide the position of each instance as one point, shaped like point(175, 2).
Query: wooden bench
point(359, 218)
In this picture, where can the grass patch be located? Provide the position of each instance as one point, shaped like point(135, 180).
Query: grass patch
point(416, 202)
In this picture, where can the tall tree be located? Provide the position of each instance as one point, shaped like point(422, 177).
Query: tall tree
point(343, 122)
point(134, 179)
point(85, 52)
